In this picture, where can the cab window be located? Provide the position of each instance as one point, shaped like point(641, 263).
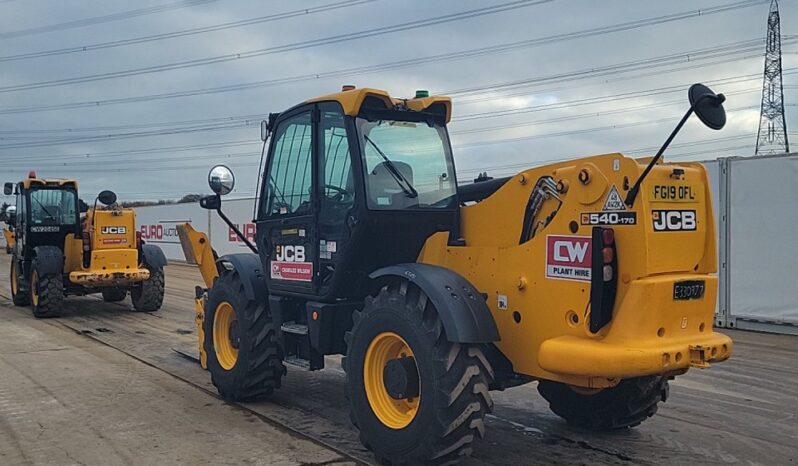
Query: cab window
point(337, 185)
point(289, 175)
point(53, 207)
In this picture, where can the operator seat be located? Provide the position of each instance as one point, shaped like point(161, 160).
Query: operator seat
point(384, 190)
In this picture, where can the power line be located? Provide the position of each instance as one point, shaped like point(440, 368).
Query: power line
point(416, 24)
point(500, 48)
point(186, 32)
point(78, 23)
point(734, 48)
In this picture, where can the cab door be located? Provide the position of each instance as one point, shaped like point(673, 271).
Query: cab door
point(286, 234)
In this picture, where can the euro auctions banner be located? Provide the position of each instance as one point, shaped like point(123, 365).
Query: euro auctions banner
point(158, 225)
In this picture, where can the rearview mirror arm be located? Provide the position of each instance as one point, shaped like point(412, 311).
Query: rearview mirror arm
point(632, 194)
point(235, 229)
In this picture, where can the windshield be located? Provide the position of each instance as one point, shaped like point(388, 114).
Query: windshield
point(408, 165)
point(53, 207)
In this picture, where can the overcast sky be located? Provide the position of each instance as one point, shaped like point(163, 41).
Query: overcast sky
point(571, 94)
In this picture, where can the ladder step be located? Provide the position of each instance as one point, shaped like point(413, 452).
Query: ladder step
point(300, 363)
point(293, 327)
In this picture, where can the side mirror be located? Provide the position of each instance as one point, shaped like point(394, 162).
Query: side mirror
point(82, 206)
point(212, 202)
point(8, 189)
point(264, 130)
point(107, 197)
point(707, 106)
point(221, 180)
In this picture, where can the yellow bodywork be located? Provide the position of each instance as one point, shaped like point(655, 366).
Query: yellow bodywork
point(113, 255)
point(352, 100)
point(549, 337)
point(27, 183)
point(198, 251)
point(9, 236)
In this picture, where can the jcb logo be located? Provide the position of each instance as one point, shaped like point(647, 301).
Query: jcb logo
point(113, 230)
point(674, 220)
point(291, 253)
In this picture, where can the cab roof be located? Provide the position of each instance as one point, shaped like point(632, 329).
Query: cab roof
point(29, 183)
point(353, 100)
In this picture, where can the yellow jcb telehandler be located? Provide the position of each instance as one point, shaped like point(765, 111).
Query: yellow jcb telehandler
point(57, 253)
point(594, 277)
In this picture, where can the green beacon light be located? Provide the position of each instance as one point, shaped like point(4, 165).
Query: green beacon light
point(421, 94)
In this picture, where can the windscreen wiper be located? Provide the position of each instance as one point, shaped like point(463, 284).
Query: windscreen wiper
point(43, 207)
point(408, 188)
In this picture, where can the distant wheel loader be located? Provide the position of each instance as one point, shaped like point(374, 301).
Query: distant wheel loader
point(594, 277)
point(56, 253)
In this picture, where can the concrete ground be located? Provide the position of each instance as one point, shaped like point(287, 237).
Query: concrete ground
point(103, 385)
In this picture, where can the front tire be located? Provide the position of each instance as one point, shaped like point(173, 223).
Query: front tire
point(241, 343)
point(625, 405)
point(18, 296)
point(147, 296)
point(46, 293)
point(114, 295)
point(433, 421)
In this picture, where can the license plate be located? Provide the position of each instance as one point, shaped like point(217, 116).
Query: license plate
point(688, 289)
point(674, 192)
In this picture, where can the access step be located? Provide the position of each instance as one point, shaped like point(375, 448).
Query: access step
point(295, 328)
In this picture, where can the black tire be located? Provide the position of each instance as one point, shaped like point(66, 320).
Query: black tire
point(114, 295)
point(19, 294)
point(47, 293)
point(258, 368)
point(147, 296)
point(454, 380)
point(627, 404)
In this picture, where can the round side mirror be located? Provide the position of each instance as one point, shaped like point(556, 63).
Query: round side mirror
point(221, 180)
point(708, 106)
point(107, 197)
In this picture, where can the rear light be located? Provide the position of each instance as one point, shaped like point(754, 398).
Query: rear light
point(607, 254)
point(604, 277)
point(608, 236)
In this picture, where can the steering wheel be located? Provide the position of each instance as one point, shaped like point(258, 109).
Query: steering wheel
point(341, 193)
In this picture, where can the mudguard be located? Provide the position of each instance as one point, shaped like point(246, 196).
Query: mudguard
point(461, 307)
point(49, 260)
point(251, 270)
point(153, 255)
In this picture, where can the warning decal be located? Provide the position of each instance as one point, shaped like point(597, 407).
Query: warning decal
point(614, 201)
point(568, 257)
point(296, 271)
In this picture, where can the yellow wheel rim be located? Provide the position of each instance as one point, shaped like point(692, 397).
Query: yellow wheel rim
point(34, 288)
point(13, 279)
point(396, 414)
point(225, 335)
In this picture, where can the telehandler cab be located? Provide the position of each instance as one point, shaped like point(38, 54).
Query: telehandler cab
point(594, 277)
point(57, 253)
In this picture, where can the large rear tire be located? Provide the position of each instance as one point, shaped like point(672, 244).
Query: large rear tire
point(18, 295)
point(627, 404)
point(434, 409)
point(114, 295)
point(46, 293)
point(241, 342)
point(147, 296)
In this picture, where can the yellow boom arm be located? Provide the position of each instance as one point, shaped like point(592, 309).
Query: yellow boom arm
point(198, 251)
